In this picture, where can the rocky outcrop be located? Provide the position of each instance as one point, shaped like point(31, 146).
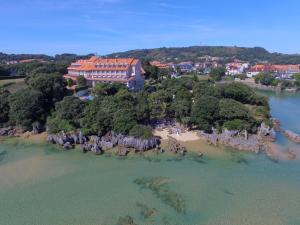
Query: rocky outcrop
point(112, 140)
point(8, 131)
point(98, 144)
point(66, 140)
point(292, 136)
point(266, 133)
point(91, 148)
point(232, 139)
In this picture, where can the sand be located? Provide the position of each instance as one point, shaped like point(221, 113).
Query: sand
point(36, 138)
point(184, 137)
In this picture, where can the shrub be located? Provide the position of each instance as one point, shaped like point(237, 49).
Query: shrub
point(141, 131)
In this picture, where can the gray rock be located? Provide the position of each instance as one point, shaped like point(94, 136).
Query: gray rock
point(67, 146)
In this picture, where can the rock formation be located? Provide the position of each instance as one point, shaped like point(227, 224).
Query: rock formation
point(292, 136)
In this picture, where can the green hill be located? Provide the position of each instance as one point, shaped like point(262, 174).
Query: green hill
point(193, 53)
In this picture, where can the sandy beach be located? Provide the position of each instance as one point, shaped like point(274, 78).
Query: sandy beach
point(183, 137)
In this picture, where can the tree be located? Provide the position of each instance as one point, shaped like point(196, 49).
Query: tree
point(142, 109)
point(106, 89)
point(237, 124)
point(52, 86)
point(206, 88)
point(26, 107)
point(70, 82)
point(4, 106)
point(217, 73)
point(70, 109)
point(230, 109)
point(159, 103)
point(205, 112)
point(151, 72)
point(123, 121)
point(81, 81)
point(297, 79)
point(141, 131)
point(266, 79)
point(96, 120)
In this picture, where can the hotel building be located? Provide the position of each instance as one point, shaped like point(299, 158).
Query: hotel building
point(127, 71)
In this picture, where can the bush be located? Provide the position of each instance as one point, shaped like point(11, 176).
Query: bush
point(237, 124)
point(141, 131)
point(27, 106)
point(55, 125)
point(81, 81)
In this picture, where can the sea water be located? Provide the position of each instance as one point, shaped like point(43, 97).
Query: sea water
point(41, 184)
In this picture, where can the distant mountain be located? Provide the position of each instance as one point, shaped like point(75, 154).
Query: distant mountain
point(17, 57)
point(256, 54)
point(62, 57)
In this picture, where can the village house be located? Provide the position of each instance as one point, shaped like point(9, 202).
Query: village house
point(160, 65)
point(281, 71)
point(186, 67)
point(236, 68)
point(127, 71)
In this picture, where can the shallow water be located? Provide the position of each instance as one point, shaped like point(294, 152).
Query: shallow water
point(285, 107)
point(41, 184)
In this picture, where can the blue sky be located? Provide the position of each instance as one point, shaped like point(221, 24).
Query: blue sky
point(105, 26)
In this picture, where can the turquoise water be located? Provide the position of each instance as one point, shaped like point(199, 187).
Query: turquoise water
point(285, 107)
point(41, 184)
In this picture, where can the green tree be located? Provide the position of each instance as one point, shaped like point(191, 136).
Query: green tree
point(26, 107)
point(123, 121)
point(230, 109)
point(96, 120)
point(217, 73)
point(141, 131)
point(106, 89)
point(266, 79)
point(4, 106)
point(81, 81)
point(70, 109)
point(159, 103)
point(53, 86)
point(70, 82)
point(297, 79)
point(205, 112)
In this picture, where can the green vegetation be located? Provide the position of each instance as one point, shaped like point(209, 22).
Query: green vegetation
point(266, 79)
point(227, 53)
point(217, 73)
point(26, 107)
point(197, 104)
point(4, 106)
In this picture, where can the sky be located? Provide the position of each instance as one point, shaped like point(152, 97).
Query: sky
point(106, 26)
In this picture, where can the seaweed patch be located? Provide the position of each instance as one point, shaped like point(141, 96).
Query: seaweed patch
point(160, 187)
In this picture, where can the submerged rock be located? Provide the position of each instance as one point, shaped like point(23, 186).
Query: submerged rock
point(122, 151)
point(127, 220)
point(146, 212)
point(161, 189)
point(292, 136)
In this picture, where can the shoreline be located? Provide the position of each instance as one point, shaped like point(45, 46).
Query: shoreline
point(198, 148)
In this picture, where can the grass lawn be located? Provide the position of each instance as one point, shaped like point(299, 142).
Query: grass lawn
point(13, 85)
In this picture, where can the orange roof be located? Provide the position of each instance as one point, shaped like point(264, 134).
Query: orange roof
point(159, 65)
point(102, 64)
point(269, 68)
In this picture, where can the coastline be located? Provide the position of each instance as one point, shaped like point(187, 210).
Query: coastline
point(190, 140)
